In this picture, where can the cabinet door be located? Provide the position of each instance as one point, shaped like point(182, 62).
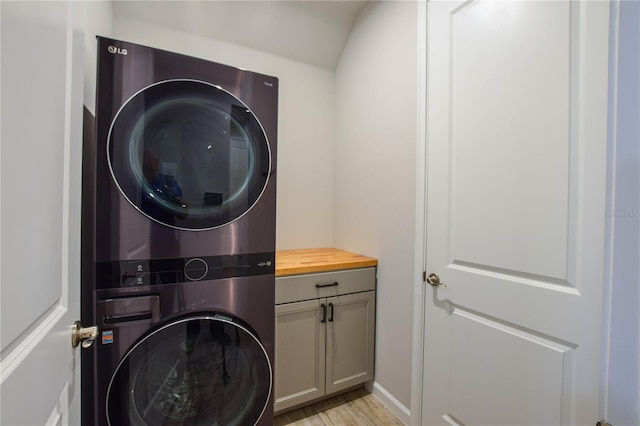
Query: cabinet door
point(350, 340)
point(300, 353)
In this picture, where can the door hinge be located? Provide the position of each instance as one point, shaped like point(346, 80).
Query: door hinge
point(603, 423)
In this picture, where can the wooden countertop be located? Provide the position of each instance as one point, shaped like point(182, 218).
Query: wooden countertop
point(304, 261)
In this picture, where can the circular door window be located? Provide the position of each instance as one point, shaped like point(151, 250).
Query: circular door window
point(189, 154)
point(196, 371)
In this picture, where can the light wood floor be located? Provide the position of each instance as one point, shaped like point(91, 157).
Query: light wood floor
point(355, 408)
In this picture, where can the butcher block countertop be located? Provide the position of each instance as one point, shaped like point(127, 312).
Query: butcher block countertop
point(305, 261)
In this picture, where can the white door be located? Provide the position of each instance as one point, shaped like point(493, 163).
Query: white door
point(517, 105)
point(41, 105)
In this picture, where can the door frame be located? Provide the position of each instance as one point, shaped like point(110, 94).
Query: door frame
point(420, 240)
point(616, 380)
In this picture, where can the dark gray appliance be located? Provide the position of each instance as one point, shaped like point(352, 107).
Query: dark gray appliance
point(178, 241)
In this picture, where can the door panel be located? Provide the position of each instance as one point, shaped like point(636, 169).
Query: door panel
point(42, 79)
point(483, 351)
point(26, 300)
point(509, 77)
point(515, 216)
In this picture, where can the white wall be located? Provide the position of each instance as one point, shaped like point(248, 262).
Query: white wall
point(375, 175)
point(305, 128)
point(98, 20)
point(621, 369)
point(354, 188)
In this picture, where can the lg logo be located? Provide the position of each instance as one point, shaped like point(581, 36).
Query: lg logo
point(114, 50)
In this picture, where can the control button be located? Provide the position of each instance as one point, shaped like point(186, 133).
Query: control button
point(196, 269)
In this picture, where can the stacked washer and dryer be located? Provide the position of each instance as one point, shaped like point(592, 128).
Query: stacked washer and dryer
point(179, 241)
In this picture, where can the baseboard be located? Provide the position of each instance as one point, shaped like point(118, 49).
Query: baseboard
point(402, 412)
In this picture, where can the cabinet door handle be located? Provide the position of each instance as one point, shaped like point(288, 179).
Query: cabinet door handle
point(331, 316)
point(324, 313)
point(327, 285)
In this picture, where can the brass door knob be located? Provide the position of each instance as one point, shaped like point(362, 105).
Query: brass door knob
point(434, 280)
point(84, 335)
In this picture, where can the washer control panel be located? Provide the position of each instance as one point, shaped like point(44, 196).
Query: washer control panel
point(136, 273)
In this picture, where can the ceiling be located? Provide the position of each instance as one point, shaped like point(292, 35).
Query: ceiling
point(312, 32)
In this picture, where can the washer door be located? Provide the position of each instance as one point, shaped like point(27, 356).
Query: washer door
point(189, 154)
point(195, 371)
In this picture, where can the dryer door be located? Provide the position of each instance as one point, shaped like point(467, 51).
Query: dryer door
point(188, 154)
point(195, 371)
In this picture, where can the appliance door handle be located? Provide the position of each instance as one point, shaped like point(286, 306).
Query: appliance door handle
point(135, 316)
point(327, 285)
point(324, 313)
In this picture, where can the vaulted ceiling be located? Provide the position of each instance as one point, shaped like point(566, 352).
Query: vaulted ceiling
point(313, 32)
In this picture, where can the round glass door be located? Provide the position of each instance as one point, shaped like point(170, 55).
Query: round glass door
point(197, 371)
point(189, 154)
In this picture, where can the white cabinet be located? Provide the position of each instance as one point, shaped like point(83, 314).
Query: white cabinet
point(325, 329)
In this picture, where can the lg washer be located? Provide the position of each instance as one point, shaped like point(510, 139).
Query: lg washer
point(178, 241)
